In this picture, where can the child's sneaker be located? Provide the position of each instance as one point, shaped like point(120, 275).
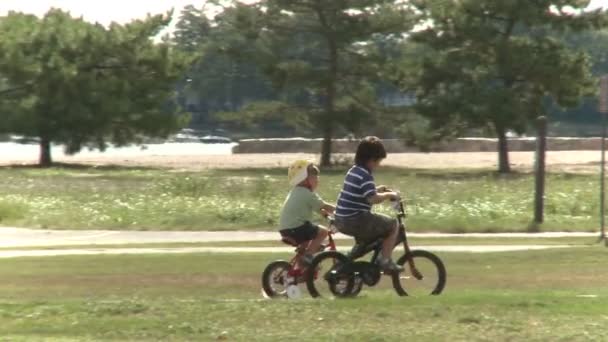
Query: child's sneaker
point(389, 266)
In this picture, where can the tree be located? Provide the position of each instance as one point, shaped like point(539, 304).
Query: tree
point(586, 115)
point(216, 82)
point(494, 62)
point(80, 84)
point(318, 53)
point(192, 29)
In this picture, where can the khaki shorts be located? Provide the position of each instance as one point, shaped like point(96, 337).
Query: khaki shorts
point(366, 226)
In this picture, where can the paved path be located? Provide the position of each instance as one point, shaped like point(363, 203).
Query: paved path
point(22, 237)
point(232, 250)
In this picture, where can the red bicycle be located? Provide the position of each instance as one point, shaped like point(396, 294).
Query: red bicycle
point(281, 278)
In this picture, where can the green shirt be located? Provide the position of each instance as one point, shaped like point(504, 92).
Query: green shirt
point(299, 206)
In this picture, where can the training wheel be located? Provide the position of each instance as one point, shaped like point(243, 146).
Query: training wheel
point(293, 292)
point(265, 295)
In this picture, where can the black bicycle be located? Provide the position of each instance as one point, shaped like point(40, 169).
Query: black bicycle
point(341, 275)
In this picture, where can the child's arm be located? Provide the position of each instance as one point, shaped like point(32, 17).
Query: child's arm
point(326, 207)
point(321, 206)
point(382, 188)
point(386, 196)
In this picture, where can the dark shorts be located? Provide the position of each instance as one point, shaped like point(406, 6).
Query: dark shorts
point(303, 233)
point(366, 226)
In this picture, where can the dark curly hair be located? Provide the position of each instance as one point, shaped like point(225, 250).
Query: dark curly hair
point(370, 148)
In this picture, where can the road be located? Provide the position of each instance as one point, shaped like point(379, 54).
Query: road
point(232, 250)
point(31, 242)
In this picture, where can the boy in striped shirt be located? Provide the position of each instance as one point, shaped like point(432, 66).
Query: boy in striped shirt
point(359, 193)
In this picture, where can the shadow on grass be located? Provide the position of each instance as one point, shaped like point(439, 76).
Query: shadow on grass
point(456, 174)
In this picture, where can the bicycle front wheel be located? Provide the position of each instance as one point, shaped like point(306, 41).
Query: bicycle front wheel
point(431, 269)
point(328, 278)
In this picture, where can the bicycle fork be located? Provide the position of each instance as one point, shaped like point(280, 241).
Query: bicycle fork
point(406, 245)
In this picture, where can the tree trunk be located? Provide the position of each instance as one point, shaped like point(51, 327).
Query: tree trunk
point(45, 159)
point(330, 88)
point(503, 149)
point(329, 106)
point(326, 146)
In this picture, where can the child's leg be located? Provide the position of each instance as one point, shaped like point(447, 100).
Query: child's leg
point(300, 263)
point(315, 244)
point(389, 243)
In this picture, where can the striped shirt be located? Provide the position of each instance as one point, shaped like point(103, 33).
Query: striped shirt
point(358, 187)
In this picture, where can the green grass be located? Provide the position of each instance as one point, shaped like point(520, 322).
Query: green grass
point(148, 199)
point(536, 296)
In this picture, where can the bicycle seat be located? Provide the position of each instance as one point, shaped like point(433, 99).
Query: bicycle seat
point(289, 241)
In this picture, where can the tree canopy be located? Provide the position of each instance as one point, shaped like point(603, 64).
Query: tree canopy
point(68, 81)
point(495, 62)
point(319, 54)
point(325, 67)
point(216, 82)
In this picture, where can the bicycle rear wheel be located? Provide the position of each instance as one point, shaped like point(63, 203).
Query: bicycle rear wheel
point(432, 270)
point(274, 278)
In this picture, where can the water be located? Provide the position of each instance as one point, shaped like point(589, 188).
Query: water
point(16, 151)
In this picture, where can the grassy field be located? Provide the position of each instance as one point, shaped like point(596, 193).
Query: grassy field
point(149, 199)
point(556, 295)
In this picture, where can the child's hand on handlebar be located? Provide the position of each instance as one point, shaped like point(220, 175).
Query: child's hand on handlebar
point(382, 189)
point(393, 196)
point(327, 209)
point(333, 229)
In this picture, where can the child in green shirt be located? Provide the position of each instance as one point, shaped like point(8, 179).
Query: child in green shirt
point(296, 215)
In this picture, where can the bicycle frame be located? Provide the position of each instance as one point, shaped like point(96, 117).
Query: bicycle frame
point(376, 246)
point(297, 271)
point(402, 238)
